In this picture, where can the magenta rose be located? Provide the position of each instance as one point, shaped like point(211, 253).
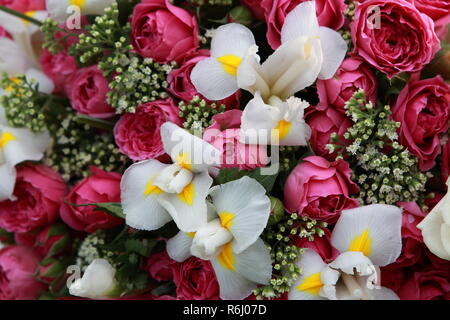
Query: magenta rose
point(426, 285)
point(445, 167)
point(439, 11)
point(330, 13)
point(163, 31)
point(224, 133)
point(423, 109)
point(324, 121)
point(320, 189)
point(18, 265)
point(352, 75)
point(195, 280)
point(59, 68)
point(138, 134)
point(159, 266)
point(39, 191)
point(181, 87)
point(88, 93)
point(398, 38)
point(24, 5)
point(100, 187)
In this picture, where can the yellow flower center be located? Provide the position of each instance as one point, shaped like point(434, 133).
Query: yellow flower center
point(230, 63)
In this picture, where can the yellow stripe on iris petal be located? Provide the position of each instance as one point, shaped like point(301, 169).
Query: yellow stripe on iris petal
point(282, 129)
point(362, 243)
point(226, 257)
point(230, 63)
point(187, 195)
point(226, 219)
point(78, 3)
point(184, 161)
point(151, 189)
point(28, 14)
point(311, 284)
point(191, 234)
point(5, 138)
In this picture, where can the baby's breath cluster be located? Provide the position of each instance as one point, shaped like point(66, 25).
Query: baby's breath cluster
point(385, 171)
point(285, 254)
point(91, 248)
point(350, 11)
point(289, 157)
point(23, 103)
point(74, 150)
point(50, 28)
point(138, 81)
point(198, 113)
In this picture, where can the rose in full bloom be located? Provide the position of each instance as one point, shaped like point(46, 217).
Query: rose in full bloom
point(163, 31)
point(159, 266)
point(195, 280)
point(352, 75)
point(438, 10)
point(224, 133)
point(397, 38)
point(39, 191)
point(88, 93)
point(423, 109)
point(24, 5)
point(330, 13)
point(320, 189)
point(17, 267)
point(101, 186)
point(324, 121)
point(181, 87)
point(426, 285)
point(138, 134)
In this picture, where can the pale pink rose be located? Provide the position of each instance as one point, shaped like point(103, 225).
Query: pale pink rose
point(439, 11)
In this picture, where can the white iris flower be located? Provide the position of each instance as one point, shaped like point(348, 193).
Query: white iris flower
point(59, 9)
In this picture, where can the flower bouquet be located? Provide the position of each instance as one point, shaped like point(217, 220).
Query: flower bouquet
point(224, 149)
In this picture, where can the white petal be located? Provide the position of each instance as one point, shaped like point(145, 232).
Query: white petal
point(209, 240)
point(7, 182)
point(45, 83)
point(57, 9)
point(254, 263)
point(212, 81)
point(383, 293)
point(308, 286)
point(374, 229)
point(187, 150)
point(298, 133)
point(231, 39)
point(334, 49)
point(445, 237)
point(251, 76)
point(98, 281)
point(140, 205)
point(13, 59)
point(352, 261)
point(11, 23)
point(233, 286)
point(301, 21)
point(179, 247)
point(243, 208)
point(96, 7)
point(189, 209)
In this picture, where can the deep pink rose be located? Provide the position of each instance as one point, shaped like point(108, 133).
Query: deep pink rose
point(398, 38)
point(330, 13)
point(181, 87)
point(163, 31)
point(352, 75)
point(255, 8)
point(39, 191)
point(426, 285)
point(17, 267)
point(88, 93)
point(223, 134)
point(24, 5)
point(324, 121)
point(195, 280)
point(138, 134)
point(392, 278)
point(445, 166)
point(101, 186)
point(438, 10)
point(423, 109)
point(54, 239)
point(321, 245)
point(320, 189)
point(159, 266)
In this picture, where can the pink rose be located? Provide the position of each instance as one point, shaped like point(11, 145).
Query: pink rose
point(53, 240)
point(88, 93)
point(439, 11)
point(392, 278)
point(39, 190)
point(223, 134)
point(163, 31)
point(352, 75)
point(426, 285)
point(195, 280)
point(321, 245)
point(17, 267)
point(159, 266)
point(445, 167)
point(24, 5)
point(423, 109)
point(100, 187)
point(330, 13)
point(138, 134)
point(324, 121)
point(255, 8)
point(398, 39)
point(181, 87)
point(320, 189)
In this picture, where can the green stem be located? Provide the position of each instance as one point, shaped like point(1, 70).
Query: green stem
point(21, 15)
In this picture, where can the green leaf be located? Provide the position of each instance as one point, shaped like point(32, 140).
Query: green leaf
point(94, 122)
point(58, 246)
point(142, 247)
point(113, 208)
point(231, 174)
point(165, 288)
